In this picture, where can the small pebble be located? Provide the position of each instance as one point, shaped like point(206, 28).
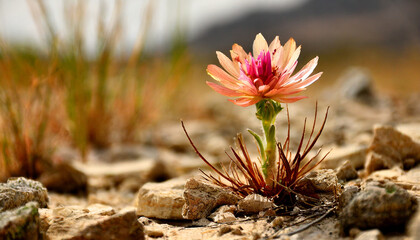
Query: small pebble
point(373, 234)
point(354, 232)
point(145, 221)
point(237, 231)
point(154, 233)
point(278, 222)
point(224, 229)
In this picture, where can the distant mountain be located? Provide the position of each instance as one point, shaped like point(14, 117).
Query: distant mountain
point(321, 25)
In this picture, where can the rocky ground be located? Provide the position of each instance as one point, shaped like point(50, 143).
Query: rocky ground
point(368, 187)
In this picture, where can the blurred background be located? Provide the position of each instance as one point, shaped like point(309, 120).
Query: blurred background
point(88, 74)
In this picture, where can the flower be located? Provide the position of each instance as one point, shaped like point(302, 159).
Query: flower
point(267, 74)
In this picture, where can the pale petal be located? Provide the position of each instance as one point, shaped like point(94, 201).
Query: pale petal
point(223, 77)
point(288, 99)
point(223, 90)
point(274, 45)
point(239, 52)
point(276, 58)
point(288, 50)
point(227, 64)
point(260, 44)
point(293, 58)
point(306, 70)
point(309, 81)
point(283, 92)
point(235, 59)
point(245, 102)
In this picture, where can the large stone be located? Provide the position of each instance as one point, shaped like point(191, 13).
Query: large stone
point(380, 207)
point(347, 195)
point(202, 197)
point(62, 177)
point(20, 223)
point(19, 191)
point(390, 148)
point(94, 222)
point(161, 200)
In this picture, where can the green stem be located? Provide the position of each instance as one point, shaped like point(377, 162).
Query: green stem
point(267, 111)
point(270, 153)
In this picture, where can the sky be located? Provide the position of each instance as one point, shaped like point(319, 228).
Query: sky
point(17, 22)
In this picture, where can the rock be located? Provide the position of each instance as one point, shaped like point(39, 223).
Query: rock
point(373, 234)
point(278, 222)
point(19, 191)
point(322, 180)
point(224, 217)
point(318, 186)
point(224, 229)
point(347, 195)
point(154, 232)
point(412, 176)
point(202, 222)
point(114, 175)
point(412, 108)
point(346, 172)
point(387, 206)
point(254, 203)
point(354, 232)
point(228, 229)
point(355, 154)
point(201, 197)
point(161, 200)
point(409, 163)
point(21, 223)
point(224, 214)
point(64, 178)
point(94, 222)
point(356, 84)
point(390, 148)
point(386, 174)
point(114, 198)
point(237, 231)
point(410, 129)
point(414, 227)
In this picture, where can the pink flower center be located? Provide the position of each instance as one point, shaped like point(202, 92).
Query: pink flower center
point(260, 70)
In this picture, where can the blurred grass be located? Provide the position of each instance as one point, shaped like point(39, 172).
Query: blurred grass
point(87, 101)
point(26, 121)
